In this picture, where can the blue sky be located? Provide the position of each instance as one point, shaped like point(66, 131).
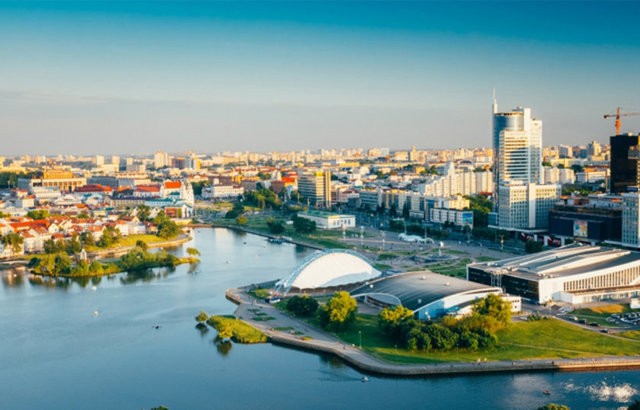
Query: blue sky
point(119, 77)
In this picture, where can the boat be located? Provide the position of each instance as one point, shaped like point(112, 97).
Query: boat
point(546, 392)
point(364, 379)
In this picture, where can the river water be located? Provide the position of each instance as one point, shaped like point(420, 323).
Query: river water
point(95, 345)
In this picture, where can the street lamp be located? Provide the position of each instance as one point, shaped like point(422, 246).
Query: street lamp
point(360, 337)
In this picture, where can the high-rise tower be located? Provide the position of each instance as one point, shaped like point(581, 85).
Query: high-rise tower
point(517, 146)
point(521, 202)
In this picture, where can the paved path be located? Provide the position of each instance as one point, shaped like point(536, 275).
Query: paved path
point(299, 334)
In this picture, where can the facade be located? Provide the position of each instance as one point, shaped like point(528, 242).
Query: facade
point(220, 191)
point(315, 186)
point(630, 219)
point(574, 274)
point(522, 202)
point(624, 170)
point(586, 223)
point(328, 220)
point(527, 206)
point(517, 146)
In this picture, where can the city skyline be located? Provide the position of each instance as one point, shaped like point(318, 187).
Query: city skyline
point(84, 77)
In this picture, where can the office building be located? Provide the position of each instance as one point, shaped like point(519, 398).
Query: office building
point(315, 186)
point(624, 162)
point(517, 146)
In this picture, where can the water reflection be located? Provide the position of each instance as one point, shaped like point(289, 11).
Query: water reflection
point(145, 275)
point(13, 278)
point(222, 346)
point(202, 329)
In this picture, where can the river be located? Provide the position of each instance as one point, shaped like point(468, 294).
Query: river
point(96, 345)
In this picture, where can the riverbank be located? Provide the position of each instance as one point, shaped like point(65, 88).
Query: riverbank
point(239, 228)
point(285, 330)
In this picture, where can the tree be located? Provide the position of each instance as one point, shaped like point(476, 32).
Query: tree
point(142, 244)
point(241, 220)
point(193, 252)
point(38, 214)
point(14, 241)
point(494, 306)
point(481, 206)
point(532, 246)
point(143, 212)
point(303, 225)
point(86, 238)
point(635, 405)
point(110, 236)
point(238, 209)
point(275, 226)
point(339, 312)
point(202, 317)
point(302, 305)
point(166, 227)
point(390, 319)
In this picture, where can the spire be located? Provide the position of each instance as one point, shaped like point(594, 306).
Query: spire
point(494, 107)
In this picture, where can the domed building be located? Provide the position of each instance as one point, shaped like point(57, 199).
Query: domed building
point(329, 269)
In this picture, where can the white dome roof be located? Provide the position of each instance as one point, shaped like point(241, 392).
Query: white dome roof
point(330, 268)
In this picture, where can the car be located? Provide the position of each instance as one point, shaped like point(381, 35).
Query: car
point(605, 330)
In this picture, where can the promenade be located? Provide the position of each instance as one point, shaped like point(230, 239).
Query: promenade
point(300, 335)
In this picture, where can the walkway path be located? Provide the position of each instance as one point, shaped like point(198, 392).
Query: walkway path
point(299, 334)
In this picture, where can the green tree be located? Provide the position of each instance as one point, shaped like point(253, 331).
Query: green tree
point(390, 319)
point(241, 220)
point(237, 210)
point(166, 227)
point(339, 312)
point(481, 206)
point(302, 305)
point(303, 225)
point(142, 244)
point(532, 246)
point(193, 252)
point(275, 226)
point(202, 317)
point(494, 306)
point(38, 214)
point(110, 236)
point(14, 241)
point(143, 212)
point(86, 239)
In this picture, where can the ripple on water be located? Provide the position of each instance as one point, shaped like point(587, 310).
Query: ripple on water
point(603, 391)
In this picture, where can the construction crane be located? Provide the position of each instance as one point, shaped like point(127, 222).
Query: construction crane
point(618, 115)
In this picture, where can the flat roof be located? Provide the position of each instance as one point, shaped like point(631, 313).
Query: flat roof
point(417, 289)
point(568, 260)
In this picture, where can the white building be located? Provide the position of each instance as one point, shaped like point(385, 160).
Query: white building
point(574, 274)
point(517, 146)
point(525, 206)
point(221, 191)
point(328, 220)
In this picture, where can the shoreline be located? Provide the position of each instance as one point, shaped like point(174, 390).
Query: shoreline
point(322, 342)
point(268, 235)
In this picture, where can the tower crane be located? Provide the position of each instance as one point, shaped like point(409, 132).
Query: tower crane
point(618, 115)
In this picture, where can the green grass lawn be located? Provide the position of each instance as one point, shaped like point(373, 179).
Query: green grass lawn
point(485, 259)
point(541, 339)
point(601, 313)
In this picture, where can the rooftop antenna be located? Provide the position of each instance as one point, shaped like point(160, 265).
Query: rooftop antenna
point(495, 102)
